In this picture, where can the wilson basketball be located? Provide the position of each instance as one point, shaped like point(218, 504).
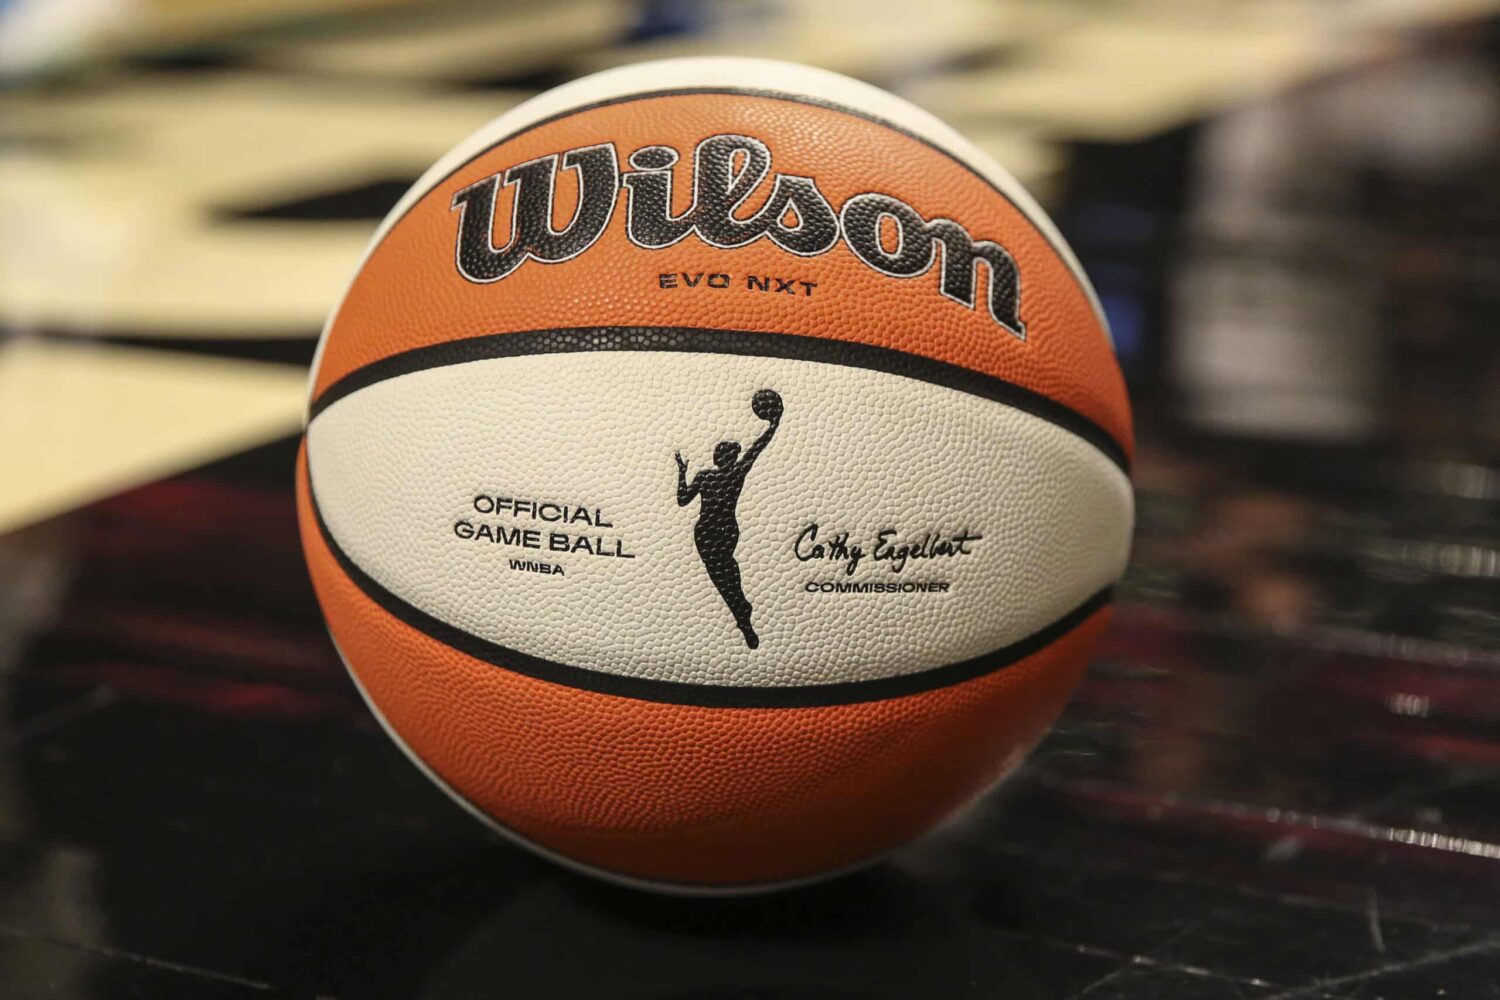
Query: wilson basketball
point(716, 473)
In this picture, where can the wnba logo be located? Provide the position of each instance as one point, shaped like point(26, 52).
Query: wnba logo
point(718, 489)
point(727, 170)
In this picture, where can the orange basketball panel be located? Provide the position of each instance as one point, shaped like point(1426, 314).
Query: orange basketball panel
point(409, 293)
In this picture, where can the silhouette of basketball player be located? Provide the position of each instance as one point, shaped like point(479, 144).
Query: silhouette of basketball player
point(718, 530)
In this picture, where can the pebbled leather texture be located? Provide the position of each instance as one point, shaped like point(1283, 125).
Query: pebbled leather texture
point(404, 466)
point(410, 294)
point(732, 545)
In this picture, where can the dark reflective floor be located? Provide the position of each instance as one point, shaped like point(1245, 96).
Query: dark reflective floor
point(1281, 778)
point(195, 804)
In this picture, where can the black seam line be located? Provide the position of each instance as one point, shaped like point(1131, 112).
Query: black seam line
point(770, 95)
point(696, 340)
point(702, 695)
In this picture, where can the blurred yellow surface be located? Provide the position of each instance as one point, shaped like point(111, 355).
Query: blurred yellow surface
point(448, 43)
point(1123, 78)
point(117, 222)
point(161, 22)
point(877, 40)
point(79, 422)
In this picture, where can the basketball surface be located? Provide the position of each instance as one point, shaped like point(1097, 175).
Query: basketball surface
point(716, 473)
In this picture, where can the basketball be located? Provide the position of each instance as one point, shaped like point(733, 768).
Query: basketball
point(766, 404)
point(716, 473)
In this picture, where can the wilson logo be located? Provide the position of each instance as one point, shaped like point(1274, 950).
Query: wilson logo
point(727, 171)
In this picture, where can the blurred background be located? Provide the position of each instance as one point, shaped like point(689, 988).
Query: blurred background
point(1281, 779)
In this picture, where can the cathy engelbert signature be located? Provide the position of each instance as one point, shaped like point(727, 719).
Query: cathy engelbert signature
point(813, 544)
